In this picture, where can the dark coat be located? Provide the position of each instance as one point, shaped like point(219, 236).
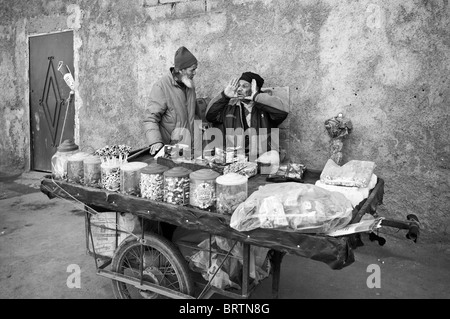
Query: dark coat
point(268, 112)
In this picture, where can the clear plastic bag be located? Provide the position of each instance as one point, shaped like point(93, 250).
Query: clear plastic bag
point(292, 206)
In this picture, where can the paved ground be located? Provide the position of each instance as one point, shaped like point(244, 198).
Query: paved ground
point(40, 238)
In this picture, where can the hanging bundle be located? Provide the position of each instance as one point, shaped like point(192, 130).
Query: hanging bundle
point(338, 128)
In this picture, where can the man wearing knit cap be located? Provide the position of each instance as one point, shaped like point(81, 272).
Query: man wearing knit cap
point(243, 105)
point(172, 105)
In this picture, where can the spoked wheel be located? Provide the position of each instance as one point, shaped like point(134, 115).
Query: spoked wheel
point(163, 265)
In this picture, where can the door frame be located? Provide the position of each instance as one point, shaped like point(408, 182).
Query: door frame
point(28, 152)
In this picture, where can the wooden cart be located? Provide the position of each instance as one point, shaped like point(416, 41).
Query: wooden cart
point(149, 265)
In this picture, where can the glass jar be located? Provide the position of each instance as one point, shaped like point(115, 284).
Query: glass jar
point(152, 182)
point(75, 168)
point(59, 159)
point(176, 185)
point(110, 176)
point(130, 178)
point(92, 171)
point(202, 189)
point(232, 190)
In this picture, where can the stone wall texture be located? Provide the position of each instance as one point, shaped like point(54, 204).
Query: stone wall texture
point(383, 64)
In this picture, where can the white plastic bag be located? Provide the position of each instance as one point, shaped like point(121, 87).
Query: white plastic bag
point(293, 207)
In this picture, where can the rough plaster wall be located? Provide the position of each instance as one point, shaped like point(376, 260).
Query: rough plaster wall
point(12, 112)
point(18, 20)
point(384, 64)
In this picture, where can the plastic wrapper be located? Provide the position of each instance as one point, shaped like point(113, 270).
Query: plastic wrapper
point(228, 276)
point(293, 206)
point(248, 169)
point(291, 172)
point(353, 173)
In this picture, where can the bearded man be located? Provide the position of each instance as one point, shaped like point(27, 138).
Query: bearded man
point(172, 106)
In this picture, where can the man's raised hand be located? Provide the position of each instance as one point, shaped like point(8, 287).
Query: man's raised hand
point(231, 88)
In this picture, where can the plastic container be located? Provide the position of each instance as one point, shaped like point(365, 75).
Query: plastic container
point(232, 190)
point(110, 176)
point(152, 182)
point(130, 178)
point(75, 167)
point(202, 189)
point(59, 159)
point(176, 185)
point(92, 171)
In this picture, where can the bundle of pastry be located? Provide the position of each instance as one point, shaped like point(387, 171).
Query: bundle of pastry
point(245, 168)
point(288, 172)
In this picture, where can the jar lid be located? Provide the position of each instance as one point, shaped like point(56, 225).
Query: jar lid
point(133, 166)
point(80, 156)
point(178, 171)
point(92, 159)
point(110, 165)
point(67, 146)
point(231, 179)
point(204, 174)
point(154, 168)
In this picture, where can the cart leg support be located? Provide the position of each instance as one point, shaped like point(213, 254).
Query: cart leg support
point(276, 261)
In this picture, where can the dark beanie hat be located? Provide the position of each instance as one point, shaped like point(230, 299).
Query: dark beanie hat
point(249, 76)
point(184, 58)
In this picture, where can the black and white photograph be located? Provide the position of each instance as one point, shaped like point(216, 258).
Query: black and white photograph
point(227, 156)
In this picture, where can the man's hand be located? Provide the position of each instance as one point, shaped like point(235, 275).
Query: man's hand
point(254, 91)
point(155, 148)
point(231, 88)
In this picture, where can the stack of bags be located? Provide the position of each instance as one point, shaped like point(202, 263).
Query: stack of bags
point(354, 179)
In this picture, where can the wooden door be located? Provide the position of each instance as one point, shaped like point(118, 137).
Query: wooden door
point(52, 113)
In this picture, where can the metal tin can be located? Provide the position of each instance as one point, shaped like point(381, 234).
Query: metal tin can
point(203, 189)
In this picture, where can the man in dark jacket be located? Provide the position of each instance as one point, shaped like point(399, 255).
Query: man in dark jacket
point(242, 106)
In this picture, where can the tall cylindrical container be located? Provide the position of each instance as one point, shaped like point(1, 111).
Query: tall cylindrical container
point(176, 185)
point(152, 182)
point(130, 178)
point(110, 176)
point(75, 167)
point(59, 159)
point(92, 171)
point(202, 191)
point(232, 190)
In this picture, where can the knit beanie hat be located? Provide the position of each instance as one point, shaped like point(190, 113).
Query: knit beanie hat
point(184, 58)
point(249, 76)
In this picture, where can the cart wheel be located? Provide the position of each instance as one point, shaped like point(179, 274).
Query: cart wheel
point(163, 265)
